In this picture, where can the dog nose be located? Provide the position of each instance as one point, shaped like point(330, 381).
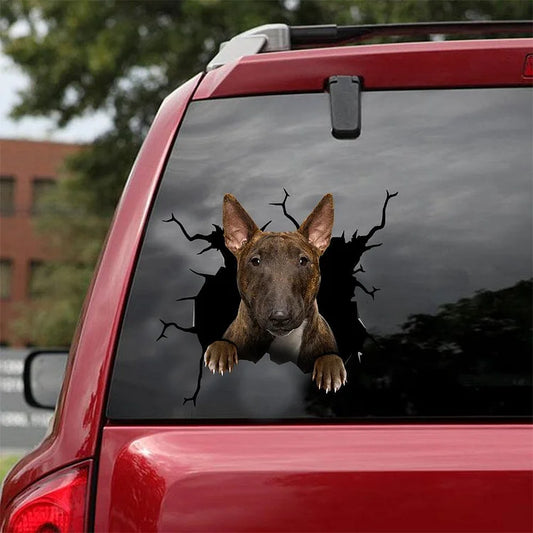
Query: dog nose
point(279, 315)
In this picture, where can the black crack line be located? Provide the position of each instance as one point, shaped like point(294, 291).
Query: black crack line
point(380, 226)
point(283, 206)
point(198, 236)
point(167, 325)
point(194, 397)
point(365, 238)
point(205, 276)
point(365, 290)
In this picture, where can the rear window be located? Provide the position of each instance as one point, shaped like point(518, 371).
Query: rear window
point(426, 283)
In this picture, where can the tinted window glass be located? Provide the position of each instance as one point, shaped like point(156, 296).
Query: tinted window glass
point(426, 283)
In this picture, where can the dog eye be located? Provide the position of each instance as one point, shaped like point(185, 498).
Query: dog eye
point(304, 260)
point(256, 261)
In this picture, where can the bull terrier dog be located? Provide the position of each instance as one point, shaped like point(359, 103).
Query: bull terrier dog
point(278, 277)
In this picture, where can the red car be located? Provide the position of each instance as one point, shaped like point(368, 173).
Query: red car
point(425, 149)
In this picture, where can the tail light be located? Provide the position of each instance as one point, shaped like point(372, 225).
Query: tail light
point(55, 504)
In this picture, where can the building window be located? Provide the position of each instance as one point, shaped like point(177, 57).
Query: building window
point(41, 187)
point(7, 196)
point(34, 283)
point(6, 271)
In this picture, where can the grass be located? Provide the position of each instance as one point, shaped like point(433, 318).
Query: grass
point(6, 462)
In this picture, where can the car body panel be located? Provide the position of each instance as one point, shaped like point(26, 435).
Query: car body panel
point(76, 428)
point(387, 66)
point(316, 478)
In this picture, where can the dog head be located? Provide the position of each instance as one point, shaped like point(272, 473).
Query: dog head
point(278, 273)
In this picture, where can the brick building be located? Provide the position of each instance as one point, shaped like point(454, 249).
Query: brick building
point(27, 170)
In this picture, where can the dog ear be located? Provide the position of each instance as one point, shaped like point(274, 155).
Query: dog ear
point(238, 224)
point(317, 227)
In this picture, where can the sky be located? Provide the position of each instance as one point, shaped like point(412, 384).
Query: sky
point(12, 81)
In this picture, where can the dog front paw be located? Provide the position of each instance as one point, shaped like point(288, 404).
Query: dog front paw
point(221, 356)
point(329, 373)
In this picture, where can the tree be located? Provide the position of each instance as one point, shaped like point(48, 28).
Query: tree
point(473, 356)
point(125, 57)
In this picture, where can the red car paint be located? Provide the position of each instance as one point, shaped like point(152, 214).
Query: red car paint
point(491, 63)
point(332, 478)
point(316, 477)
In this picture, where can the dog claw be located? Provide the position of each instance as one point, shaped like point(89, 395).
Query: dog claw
point(329, 373)
point(219, 358)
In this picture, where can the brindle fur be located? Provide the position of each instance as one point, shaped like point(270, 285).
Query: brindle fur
point(278, 293)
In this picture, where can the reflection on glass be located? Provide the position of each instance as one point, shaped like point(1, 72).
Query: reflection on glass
point(461, 224)
point(473, 356)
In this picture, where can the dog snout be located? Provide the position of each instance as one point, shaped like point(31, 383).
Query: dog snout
point(279, 315)
point(280, 318)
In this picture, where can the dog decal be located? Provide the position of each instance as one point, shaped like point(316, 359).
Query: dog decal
point(342, 334)
point(278, 277)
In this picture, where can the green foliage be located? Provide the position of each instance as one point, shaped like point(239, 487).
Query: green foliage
point(50, 319)
point(74, 229)
point(124, 57)
point(6, 464)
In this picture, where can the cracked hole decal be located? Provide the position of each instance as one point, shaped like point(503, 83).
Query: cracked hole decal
point(289, 294)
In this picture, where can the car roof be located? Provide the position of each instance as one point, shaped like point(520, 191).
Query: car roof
point(435, 64)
